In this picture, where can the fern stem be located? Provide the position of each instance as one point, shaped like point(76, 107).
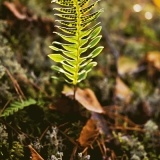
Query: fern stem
point(74, 92)
point(78, 43)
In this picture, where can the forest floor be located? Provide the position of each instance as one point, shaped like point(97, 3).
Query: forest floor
point(116, 111)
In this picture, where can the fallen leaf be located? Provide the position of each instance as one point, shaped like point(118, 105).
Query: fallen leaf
point(101, 124)
point(19, 11)
point(87, 98)
point(64, 105)
point(34, 154)
point(126, 64)
point(20, 15)
point(157, 3)
point(122, 91)
point(154, 58)
point(88, 134)
point(61, 105)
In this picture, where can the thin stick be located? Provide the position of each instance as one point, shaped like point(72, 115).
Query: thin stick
point(16, 86)
point(44, 133)
point(115, 52)
point(25, 80)
point(5, 106)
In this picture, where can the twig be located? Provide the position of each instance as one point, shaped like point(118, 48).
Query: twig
point(62, 125)
point(5, 106)
point(113, 115)
point(74, 152)
point(33, 84)
point(12, 128)
point(110, 44)
point(127, 128)
point(85, 150)
point(71, 140)
point(100, 147)
point(44, 133)
point(16, 85)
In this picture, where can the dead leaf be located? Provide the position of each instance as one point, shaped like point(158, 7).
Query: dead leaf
point(122, 91)
point(88, 134)
point(87, 98)
point(20, 15)
point(65, 105)
point(61, 105)
point(101, 124)
point(126, 64)
point(157, 3)
point(154, 58)
point(34, 154)
point(19, 11)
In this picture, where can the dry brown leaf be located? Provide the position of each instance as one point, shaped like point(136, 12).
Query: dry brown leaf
point(17, 11)
point(34, 154)
point(20, 15)
point(61, 105)
point(101, 124)
point(157, 3)
point(126, 64)
point(87, 98)
point(122, 91)
point(154, 58)
point(88, 134)
point(65, 105)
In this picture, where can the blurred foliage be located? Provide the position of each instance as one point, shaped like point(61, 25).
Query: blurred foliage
point(25, 73)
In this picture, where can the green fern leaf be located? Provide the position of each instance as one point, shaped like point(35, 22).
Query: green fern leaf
point(16, 106)
point(74, 21)
point(87, 9)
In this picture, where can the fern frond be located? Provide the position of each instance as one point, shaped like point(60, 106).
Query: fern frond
point(75, 17)
point(16, 106)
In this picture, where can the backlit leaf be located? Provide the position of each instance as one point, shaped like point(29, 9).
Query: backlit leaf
point(89, 66)
point(63, 2)
point(68, 68)
point(71, 39)
point(95, 32)
point(87, 9)
point(82, 75)
point(96, 51)
point(66, 16)
point(66, 10)
point(67, 30)
point(57, 57)
point(94, 41)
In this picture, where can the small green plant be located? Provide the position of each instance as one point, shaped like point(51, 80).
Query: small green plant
point(16, 106)
point(132, 145)
point(3, 138)
point(80, 38)
point(16, 151)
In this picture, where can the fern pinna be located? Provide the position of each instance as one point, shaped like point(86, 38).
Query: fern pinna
point(74, 21)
